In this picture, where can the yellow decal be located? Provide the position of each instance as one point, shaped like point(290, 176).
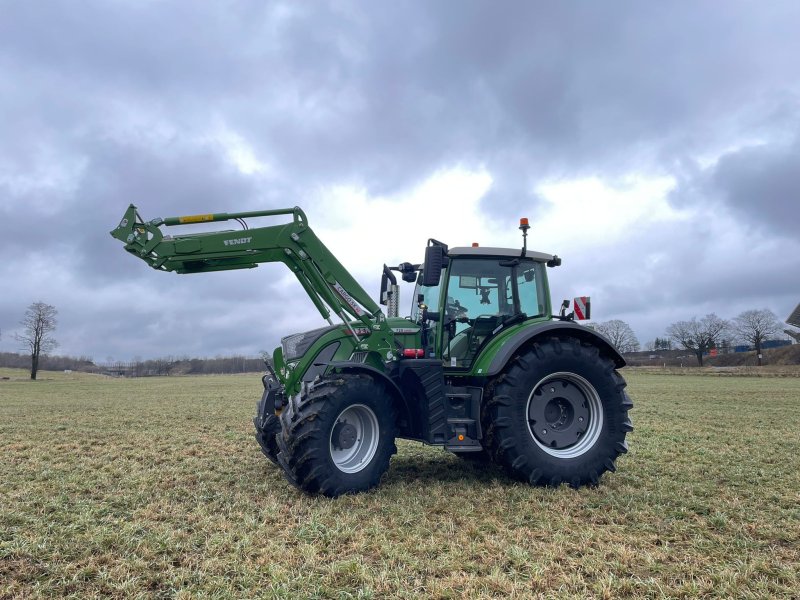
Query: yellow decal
point(196, 219)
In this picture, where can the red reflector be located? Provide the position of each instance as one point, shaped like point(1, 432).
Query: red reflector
point(413, 353)
point(582, 307)
point(475, 245)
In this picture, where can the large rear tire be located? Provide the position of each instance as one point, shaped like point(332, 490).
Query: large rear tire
point(559, 413)
point(338, 438)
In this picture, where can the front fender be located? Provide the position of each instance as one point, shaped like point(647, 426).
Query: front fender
point(548, 329)
point(360, 368)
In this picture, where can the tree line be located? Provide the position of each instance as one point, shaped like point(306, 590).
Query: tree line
point(700, 336)
point(36, 337)
point(168, 365)
point(185, 366)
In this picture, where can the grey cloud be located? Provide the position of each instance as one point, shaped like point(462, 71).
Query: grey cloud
point(385, 94)
point(659, 274)
point(186, 178)
point(762, 183)
point(113, 103)
point(759, 184)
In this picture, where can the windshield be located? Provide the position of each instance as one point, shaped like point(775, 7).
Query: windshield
point(430, 297)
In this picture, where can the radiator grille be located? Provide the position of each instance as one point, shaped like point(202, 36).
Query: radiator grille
point(358, 357)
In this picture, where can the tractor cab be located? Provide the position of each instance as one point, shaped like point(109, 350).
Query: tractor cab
point(479, 293)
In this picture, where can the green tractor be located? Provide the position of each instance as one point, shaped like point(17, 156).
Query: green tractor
point(481, 367)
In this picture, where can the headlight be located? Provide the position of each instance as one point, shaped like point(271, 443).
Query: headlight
point(295, 346)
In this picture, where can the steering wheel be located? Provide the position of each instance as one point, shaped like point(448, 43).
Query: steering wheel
point(456, 312)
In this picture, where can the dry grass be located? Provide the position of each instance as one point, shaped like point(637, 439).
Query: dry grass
point(714, 371)
point(155, 487)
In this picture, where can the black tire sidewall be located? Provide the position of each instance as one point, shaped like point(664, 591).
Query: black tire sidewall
point(307, 426)
point(526, 375)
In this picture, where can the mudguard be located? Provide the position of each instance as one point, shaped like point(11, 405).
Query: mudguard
point(356, 367)
point(546, 329)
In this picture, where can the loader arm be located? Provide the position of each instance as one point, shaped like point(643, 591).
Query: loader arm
point(326, 281)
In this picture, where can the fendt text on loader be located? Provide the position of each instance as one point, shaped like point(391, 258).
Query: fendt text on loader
point(482, 367)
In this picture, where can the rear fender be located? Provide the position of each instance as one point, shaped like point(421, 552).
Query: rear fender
point(529, 335)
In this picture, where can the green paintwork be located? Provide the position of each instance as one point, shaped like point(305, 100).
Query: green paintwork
point(328, 284)
point(481, 364)
point(347, 346)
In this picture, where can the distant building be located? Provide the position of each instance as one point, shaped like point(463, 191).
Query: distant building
point(765, 345)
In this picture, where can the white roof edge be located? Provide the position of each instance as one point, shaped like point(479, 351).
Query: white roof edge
point(490, 251)
point(794, 318)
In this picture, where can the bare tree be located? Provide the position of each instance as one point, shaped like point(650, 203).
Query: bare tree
point(38, 325)
point(698, 336)
point(755, 327)
point(620, 334)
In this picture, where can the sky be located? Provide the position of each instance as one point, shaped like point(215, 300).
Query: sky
point(654, 146)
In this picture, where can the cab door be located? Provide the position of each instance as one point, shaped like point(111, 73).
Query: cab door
point(479, 297)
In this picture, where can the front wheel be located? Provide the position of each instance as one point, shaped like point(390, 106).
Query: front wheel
point(338, 438)
point(558, 414)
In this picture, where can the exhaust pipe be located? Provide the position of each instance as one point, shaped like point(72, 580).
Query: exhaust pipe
point(390, 293)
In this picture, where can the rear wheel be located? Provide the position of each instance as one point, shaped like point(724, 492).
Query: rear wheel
point(558, 414)
point(338, 438)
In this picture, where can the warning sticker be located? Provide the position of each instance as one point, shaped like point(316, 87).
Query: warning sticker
point(582, 306)
point(348, 298)
point(195, 219)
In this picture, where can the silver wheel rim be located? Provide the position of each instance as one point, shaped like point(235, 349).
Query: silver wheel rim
point(555, 406)
point(363, 430)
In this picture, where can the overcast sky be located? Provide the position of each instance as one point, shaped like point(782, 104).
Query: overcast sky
point(655, 146)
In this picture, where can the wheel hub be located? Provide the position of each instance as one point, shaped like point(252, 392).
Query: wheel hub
point(354, 438)
point(560, 414)
point(344, 436)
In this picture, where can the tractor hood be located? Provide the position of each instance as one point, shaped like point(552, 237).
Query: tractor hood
point(296, 345)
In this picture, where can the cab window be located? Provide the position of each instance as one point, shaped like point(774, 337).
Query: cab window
point(482, 294)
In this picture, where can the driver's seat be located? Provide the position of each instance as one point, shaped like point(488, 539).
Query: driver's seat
point(466, 347)
point(482, 328)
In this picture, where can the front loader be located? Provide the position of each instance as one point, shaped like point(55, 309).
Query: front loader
point(481, 367)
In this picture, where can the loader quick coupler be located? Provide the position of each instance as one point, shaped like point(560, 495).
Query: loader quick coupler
point(279, 401)
point(273, 398)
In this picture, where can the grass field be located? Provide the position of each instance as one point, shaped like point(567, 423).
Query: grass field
point(155, 487)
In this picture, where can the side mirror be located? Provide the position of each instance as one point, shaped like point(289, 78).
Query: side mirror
point(434, 262)
point(564, 309)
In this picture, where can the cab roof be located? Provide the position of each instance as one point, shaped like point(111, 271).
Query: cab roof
point(490, 251)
